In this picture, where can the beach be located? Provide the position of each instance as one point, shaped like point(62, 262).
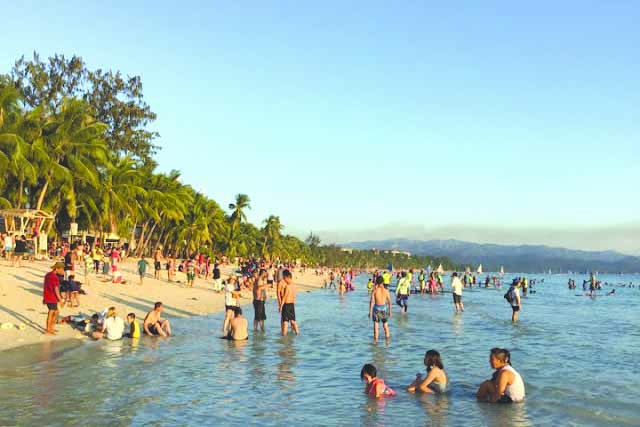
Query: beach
point(21, 303)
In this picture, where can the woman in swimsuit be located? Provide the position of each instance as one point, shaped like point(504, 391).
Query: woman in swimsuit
point(436, 380)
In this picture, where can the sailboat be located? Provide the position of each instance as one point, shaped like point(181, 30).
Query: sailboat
point(501, 270)
point(440, 269)
point(479, 270)
point(467, 270)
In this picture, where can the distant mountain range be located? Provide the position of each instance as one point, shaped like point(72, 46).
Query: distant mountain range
point(522, 258)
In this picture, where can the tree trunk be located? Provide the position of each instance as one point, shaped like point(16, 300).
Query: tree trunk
point(150, 234)
point(20, 190)
point(139, 247)
point(42, 193)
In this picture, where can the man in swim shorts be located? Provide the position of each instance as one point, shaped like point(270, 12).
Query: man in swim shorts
point(51, 295)
point(380, 308)
point(156, 325)
point(239, 326)
point(259, 298)
point(287, 307)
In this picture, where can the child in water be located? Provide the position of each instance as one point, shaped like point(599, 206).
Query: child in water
point(374, 387)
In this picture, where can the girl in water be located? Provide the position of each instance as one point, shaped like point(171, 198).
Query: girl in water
point(505, 385)
point(436, 380)
point(374, 387)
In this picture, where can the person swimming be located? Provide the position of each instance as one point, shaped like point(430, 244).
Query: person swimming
point(374, 387)
point(436, 380)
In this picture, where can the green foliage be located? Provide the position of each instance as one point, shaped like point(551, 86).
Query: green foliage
point(76, 143)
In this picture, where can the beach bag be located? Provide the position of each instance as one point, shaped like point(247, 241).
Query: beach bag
point(509, 296)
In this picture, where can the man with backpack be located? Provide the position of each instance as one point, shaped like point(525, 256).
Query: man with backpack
point(513, 298)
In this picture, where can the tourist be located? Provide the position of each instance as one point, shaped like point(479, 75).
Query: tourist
point(134, 327)
point(142, 268)
point(73, 289)
point(238, 330)
point(380, 308)
point(96, 254)
point(506, 385)
point(19, 249)
point(171, 268)
point(456, 290)
point(8, 246)
point(513, 297)
point(402, 292)
point(287, 304)
point(386, 277)
point(436, 380)
point(259, 298)
point(157, 265)
point(154, 324)
point(191, 271)
point(68, 264)
point(422, 282)
point(51, 295)
point(231, 303)
point(112, 328)
point(374, 386)
point(217, 278)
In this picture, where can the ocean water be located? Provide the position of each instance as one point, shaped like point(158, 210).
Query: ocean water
point(578, 357)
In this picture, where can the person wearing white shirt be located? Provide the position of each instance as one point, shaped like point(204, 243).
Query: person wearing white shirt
point(456, 289)
point(112, 328)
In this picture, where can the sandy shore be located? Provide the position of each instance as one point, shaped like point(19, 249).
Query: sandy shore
point(21, 299)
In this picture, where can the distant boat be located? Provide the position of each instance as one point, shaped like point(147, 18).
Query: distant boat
point(501, 270)
point(467, 270)
point(440, 269)
point(479, 271)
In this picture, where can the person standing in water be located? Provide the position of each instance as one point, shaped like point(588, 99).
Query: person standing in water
point(287, 305)
point(402, 292)
point(380, 308)
point(456, 290)
point(514, 300)
point(259, 298)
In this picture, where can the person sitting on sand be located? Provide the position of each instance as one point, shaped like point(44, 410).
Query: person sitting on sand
point(238, 327)
point(436, 380)
point(112, 328)
point(374, 387)
point(506, 385)
point(156, 325)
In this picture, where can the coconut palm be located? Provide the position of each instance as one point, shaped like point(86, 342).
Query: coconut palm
point(237, 216)
point(272, 233)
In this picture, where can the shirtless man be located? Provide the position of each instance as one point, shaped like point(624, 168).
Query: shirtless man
point(287, 302)
point(280, 287)
point(380, 308)
point(239, 327)
point(154, 324)
point(157, 265)
point(259, 298)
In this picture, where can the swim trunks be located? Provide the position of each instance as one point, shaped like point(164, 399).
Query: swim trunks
point(191, 276)
point(380, 315)
point(53, 306)
point(158, 266)
point(288, 312)
point(231, 307)
point(515, 308)
point(258, 307)
point(505, 399)
point(457, 299)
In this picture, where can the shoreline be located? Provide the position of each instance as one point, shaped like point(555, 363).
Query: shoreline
point(21, 303)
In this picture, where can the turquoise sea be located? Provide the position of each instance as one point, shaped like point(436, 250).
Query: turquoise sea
point(578, 356)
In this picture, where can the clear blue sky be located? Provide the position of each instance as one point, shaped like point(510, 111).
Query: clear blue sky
point(338, 116)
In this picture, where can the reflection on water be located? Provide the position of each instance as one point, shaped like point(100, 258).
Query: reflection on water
point(560, 345)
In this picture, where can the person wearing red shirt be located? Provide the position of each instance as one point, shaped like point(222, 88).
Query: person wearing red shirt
point(51, 295)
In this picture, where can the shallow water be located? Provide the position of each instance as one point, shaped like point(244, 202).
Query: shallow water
point(576, 355)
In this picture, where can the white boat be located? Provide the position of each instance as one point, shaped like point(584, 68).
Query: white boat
point(501, 270)
point(479, 270)
point(440, 269)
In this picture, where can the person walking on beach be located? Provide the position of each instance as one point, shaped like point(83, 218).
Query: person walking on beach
point(142, 268)
point(154, 324)
point(259, 298)
point(157, 265)
point(287, 307)
point(456, 290)
point(380, 308)
point(51, 295)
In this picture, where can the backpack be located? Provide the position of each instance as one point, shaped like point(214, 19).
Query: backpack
point(509, 296)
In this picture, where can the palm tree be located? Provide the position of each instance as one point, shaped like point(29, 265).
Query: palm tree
point(236, 218)
point(272, 233)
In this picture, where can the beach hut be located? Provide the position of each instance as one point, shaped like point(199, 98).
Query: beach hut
point(28, 222)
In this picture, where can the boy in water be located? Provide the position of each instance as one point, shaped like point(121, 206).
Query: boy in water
point(380, 308)
point(134, 327)
point(287, 307)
